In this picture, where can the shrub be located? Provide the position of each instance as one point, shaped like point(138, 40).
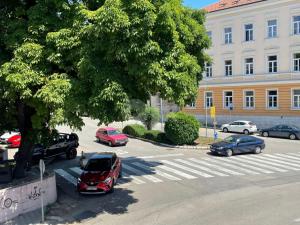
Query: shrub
point(135, 130)
point(152, 134)
point(149, 117)
point(182, 128)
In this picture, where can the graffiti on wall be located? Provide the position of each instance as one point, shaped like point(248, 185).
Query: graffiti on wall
point(35, 193)
point(7, 203)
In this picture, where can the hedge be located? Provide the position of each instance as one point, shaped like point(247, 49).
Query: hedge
point(182, 128)
point(135, 130)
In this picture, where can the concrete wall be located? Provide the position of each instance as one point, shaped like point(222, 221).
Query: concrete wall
point(260, 121)
point(25, 198)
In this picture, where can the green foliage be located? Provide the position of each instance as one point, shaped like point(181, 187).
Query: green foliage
point(152, 134)
point(135, 130)
point(136, 107)
point(149, 117)
point(182, 128)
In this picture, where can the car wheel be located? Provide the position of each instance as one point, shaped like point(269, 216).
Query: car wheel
point(72, 154)
point(229, 152)
point(110, 144)
point(292, 136)
point(246, 132)
point(257, 150)
point(265, 134)
point(225, 130)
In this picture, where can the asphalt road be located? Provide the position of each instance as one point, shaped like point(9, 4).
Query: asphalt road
point(167, 186)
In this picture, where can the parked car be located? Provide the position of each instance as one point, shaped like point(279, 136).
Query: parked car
point(62, 145)
point(236, 144)
point(100, 174)
point(111, 136)
point(241, 126)
point(4, 137)
point(283, 131)
point(14, 141)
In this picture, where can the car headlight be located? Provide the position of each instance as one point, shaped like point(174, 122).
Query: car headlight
point(220, 148)
point(107, 180)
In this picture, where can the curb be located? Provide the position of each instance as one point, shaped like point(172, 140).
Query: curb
point(171, 146)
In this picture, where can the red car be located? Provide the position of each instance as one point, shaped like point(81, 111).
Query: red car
point(111, 136)
point(100, 174)
point(14, 141)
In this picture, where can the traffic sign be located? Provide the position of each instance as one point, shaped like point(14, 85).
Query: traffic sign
point(213, 112)
point(42, 166)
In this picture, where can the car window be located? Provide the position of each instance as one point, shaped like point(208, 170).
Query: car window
point(242, 123)
point(114, 159)
point(285, 127)
point(231, 139)
point(105, 132)
point(98, 165)
point(113, 132)
point(235, 123)
point(252, 124)
point(246, 139)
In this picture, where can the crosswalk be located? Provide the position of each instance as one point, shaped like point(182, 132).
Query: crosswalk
point(144, 171)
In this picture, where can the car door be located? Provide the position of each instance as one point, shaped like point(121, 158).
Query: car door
point(274, 131)
point(285, 131)
point(234, 126)
point(241, 127)
point(244, 145)
point(115, 166)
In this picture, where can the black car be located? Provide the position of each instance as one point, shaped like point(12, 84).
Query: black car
point(283, 131)
point(62, 145)
point(236, 144)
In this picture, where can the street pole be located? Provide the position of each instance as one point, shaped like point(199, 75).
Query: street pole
point(205, 100)
point(42, 170)
point(161, 114)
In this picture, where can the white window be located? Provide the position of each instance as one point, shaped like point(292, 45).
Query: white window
point(249, 99)
point(272, 63)
point(192, 105)
point(296, 25)
point(272, 28)
point(209, 34)
point(208, 69)
point(228, 99)
point(208, 99)
point(296, 99)
point(249, 32)
point(296, 62)
point(228, 68)
point(228, 35)
point(249, 66)
point(272, 99)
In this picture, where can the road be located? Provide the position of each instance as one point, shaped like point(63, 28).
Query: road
point(170, 186)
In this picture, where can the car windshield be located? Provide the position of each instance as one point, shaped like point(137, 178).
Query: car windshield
point(230, 139)
point(113, 132)
point(295, 128)
point(98, 165)
point(252, 124)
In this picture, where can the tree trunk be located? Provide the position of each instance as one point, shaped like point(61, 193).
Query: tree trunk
point(24, 153)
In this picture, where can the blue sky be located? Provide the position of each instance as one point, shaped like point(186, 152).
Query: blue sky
point(198, 3)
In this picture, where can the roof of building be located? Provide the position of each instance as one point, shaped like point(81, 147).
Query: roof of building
point(227, 4)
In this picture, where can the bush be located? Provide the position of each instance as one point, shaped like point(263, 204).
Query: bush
point(149, 117)
point(182, 128)
point(135, 130)
point(152, 134)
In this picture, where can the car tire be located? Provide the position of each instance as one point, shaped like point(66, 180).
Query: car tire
point(229, 152)
point(71, 154)
point(292, 137)
point(225, 130)
point(110, 144)
point(257, 150)
point(247, 132)
point(265, 134)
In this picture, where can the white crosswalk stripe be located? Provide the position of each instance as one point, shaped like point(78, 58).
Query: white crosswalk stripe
point(217, 167)
point(266, 161)
point(231, 166)
point(245, 160)
point(176, 169)
point(187, 168)
point(255, 168)
point(141, 173)
point(202, 168)
point(66, 176)
point(155, 171)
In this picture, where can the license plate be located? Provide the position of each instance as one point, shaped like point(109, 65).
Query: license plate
point(91, 188)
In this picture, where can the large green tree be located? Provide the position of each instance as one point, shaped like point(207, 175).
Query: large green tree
point(61, 58)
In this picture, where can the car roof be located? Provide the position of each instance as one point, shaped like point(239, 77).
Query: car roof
point(245, 121)
point(107, 128)
point(103, 155)
point(242, 135)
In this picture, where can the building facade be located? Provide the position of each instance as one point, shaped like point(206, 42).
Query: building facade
point(255, 69)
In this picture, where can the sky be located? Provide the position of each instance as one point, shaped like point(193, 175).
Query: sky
point(198, 3)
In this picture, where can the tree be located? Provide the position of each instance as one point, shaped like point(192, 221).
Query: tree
point(62, 58)
point(149, 117)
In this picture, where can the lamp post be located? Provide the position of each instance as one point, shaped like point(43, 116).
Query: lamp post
point(205, 102)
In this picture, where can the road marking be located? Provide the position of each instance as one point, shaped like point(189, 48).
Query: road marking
point(141, 173)
point(153, 156)
point(217, 167)
point(121, 152)
point(155, 171)
point(134, 178)
point(77, 170)
point(294, 155)
point(289, 157)
point(266, 161)
point(239, 158)
point(185, 175)
point(231, 166)
point(202, 168)
point(187, 168)
point(66, 176)
point(280, 161)
point(245, 165)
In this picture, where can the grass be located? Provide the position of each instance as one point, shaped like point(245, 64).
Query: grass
point(206, 140)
